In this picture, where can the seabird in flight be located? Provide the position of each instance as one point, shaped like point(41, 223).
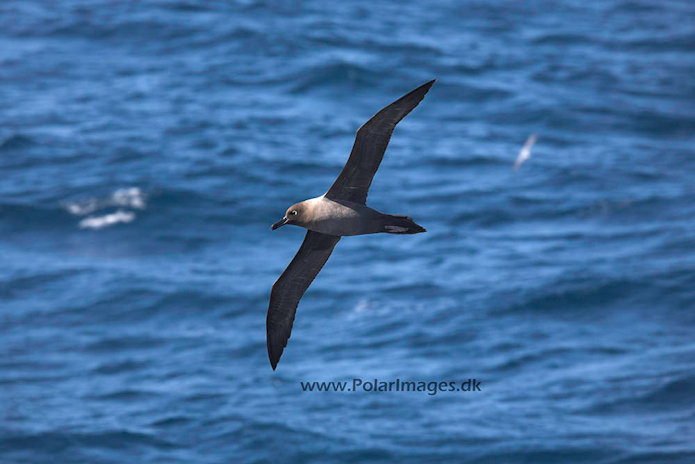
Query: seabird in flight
point(341, 211)
point(525, 152)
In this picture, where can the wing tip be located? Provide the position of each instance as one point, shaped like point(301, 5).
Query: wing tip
point(427, 85)
point(276, 344)
point(416, 96)
point(274, 355)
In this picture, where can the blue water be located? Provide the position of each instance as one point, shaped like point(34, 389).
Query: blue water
point(146, 147)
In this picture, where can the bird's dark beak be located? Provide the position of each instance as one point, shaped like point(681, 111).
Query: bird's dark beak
point(279, 224)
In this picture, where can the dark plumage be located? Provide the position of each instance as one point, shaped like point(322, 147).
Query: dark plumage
point(340, 212)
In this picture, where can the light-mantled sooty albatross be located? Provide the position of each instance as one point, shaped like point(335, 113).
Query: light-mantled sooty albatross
point(339, 212)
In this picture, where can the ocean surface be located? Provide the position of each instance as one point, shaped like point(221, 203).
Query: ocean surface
point(147, 147)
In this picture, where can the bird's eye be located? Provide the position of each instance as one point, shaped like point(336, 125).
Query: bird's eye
point(293, 213)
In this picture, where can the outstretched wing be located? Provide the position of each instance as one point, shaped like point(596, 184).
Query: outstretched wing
point(289, 288)
point(370, 144)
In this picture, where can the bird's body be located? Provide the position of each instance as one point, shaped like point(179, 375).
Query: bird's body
point(340, 212)
point(345, 218)
point(339, 217)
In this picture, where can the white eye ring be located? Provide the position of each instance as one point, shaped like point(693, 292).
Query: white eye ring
point(293, 213)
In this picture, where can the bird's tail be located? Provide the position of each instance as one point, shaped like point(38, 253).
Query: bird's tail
point(398, 224)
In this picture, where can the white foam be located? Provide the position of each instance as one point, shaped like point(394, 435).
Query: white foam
point(131, 197)
point(363, 305)
point(98, 222)
point(82, 208)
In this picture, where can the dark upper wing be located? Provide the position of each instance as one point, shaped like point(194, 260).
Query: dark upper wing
point(370, 144)
point(289, 288)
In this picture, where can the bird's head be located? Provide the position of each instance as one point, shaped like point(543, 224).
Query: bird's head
point(293, 215)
